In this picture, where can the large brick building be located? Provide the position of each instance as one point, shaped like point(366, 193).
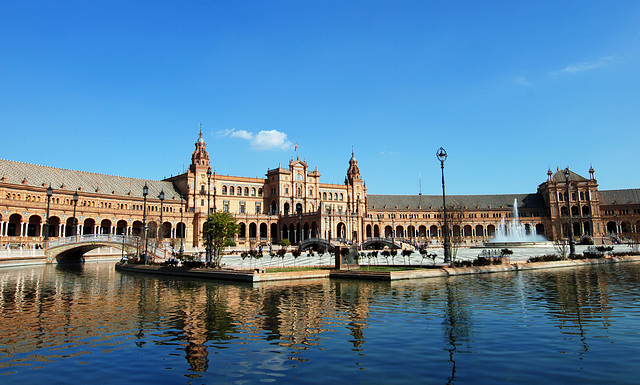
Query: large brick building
point(292, 203)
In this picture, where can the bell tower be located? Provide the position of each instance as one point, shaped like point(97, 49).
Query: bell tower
point(200, 156)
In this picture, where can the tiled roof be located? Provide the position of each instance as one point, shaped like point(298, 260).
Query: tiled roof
point(377, 202)
point(558, 176)
point(609, 197)
point(36, 175)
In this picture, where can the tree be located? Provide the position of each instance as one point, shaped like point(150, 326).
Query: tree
point(221, 227)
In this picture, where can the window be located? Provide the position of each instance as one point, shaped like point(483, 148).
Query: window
point(258, 208)
point(324, 195)
point(259, 192)
point(232, 190)
point(224, 190)
point(246, 191)
point(253, 191)
point(225, 206)
point(242, 207)
point(330, 196)
point(239, 190)
point(341, 197)
point(310, 192)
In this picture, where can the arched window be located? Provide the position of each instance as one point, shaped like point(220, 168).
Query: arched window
point(330, 196)
point(260, 192)
point(246, 191)
point(335, 196)
point(324, 195)
point(341, 197)
point(253, 191)
point(224, 190)
point(239, 190)
point(232, 190)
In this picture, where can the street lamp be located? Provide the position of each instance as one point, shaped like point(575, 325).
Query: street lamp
point(208, 248)
point(572, 242)
point(182, 227)
point(46, 226)
point(161, 197)
point(145, 192)
point(441, 154)
point(75, 220)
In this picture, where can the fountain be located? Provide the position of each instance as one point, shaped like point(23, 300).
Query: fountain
point(514, 233)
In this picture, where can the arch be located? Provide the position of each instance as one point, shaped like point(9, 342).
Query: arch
point(152, 229)
point(242, 231)
point(564, 211)
point(246, 191)
point(341, 197)
point(324, 196)
point(577, 229)
point(263, 231)
point(224, 190)
point(33, 226)
point(88, 226)
point(54, 226)
point(286, 208)
point(105, 226)
point(253, 191)
point(411, 231)
point(456, 231)
point(387, 231)
point(292, 234)
point(587, 228)
point(305, 233)
point(342, 230)
point(625, 227)
point(586, 210)
point(575, 211)
point(467, 231)
point(422, 231)
point(433, 231)
point(367, 231)
point(491, 230)
point(121, 227)
point(239, 190)
point(285, 232)
point(479, 231)
point(136, 228)
point(612, 228)
point(253, 230)
point(260, 191)
point(399, 231)
point(299, 209)
point(14, 227)
point(274, 232)
point(68, 228)
point(540, 229)
point(376, 231)
point(181, 230)
point(232, 190)
point(165, 230)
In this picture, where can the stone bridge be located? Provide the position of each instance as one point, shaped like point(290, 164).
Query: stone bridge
point(72, 249)
point(323, 243)
point(380, 243)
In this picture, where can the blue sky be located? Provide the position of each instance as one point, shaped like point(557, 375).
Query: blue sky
point(508, 88)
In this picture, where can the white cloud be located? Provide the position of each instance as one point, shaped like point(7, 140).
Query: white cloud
point(521, 81)
point(264, 140)
point(586, 66)
point(271, 140)
point(242, 134)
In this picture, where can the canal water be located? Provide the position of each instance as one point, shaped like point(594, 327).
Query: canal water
point(91, 324)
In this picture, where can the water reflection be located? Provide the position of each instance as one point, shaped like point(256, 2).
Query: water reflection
point(239, 331)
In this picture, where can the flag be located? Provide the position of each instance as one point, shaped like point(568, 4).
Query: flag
point(296, 149)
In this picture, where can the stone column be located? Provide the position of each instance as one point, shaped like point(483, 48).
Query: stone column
point(60, 230)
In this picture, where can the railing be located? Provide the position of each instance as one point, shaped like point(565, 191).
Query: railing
point(19, 253)
point(92, 238)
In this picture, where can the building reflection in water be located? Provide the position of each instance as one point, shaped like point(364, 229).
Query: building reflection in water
point(50, 306)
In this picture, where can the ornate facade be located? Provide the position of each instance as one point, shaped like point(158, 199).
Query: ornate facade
point(292, 203)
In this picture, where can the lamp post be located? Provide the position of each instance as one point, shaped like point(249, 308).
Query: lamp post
point(182, 228)
point(572, 242)
point(145, 192)
point(208, 248)
point(161, 197)
point(441, 154)
point(75, 220)
point(46, 225)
